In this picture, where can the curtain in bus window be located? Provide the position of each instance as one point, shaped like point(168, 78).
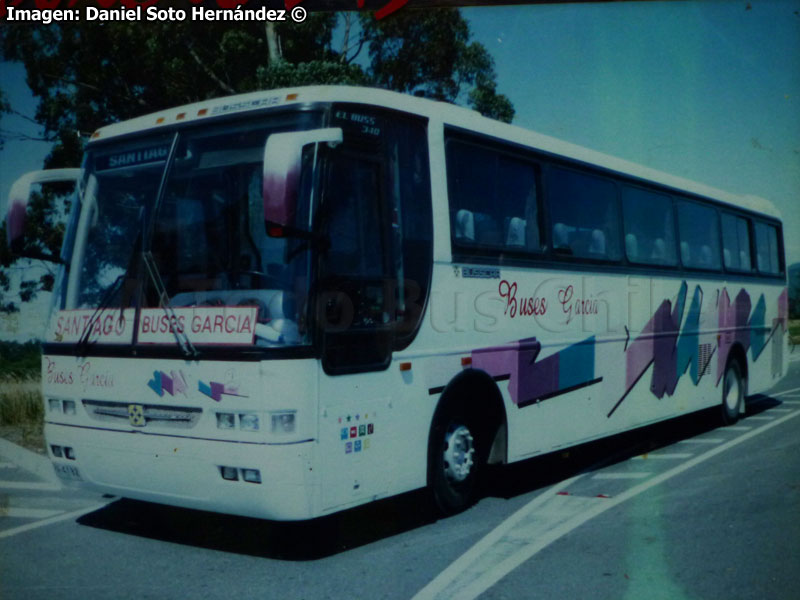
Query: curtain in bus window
point(649, 227)
point(699, 234)
point(583, 213)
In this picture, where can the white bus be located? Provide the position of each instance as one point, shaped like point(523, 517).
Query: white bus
point(287, 303)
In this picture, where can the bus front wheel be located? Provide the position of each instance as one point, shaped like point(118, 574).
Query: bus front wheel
point(456, 458)
point(732, 393)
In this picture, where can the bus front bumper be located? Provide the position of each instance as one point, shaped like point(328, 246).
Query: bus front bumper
point(268, 481)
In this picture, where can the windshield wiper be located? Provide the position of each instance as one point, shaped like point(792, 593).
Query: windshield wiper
point(82, 346)
point(181, 338)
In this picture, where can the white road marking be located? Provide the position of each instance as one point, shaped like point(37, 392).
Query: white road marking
point(29, 513)
point(702, 441)
point(29, 485)
point(736, 428)
point(8, 465)
point(781, 410)
point(790, 401)
point(621, 475)
point(784, 392)
point(664, 456)
point(761, 418)
point(545, 519)
point(57, 519)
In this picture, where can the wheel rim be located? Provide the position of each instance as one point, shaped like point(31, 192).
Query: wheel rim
point(459, 450)
point(732, 392)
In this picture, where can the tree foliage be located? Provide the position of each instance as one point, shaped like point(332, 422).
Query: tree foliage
point(4, 108)
point(87, 75)
point(429, 53)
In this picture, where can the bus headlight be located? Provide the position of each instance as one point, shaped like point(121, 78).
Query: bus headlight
point(248, 422)
point(226, 421)
point(69, 407)
point(283, 421)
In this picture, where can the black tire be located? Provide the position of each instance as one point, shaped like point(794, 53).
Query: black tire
point(732, 393)
point(456, 459)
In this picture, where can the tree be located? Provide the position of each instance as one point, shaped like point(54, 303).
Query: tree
point(87, 75)
point(4, 108)
point(429, 53)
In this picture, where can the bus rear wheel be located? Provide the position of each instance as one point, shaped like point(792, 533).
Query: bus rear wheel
point(732, 393)
point(456, 458)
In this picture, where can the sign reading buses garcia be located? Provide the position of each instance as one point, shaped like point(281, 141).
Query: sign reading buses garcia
point(219, 325)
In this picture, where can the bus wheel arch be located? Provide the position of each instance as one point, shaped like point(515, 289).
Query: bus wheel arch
point(468, 431)
point(734, 385)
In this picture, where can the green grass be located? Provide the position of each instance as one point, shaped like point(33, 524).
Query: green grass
point(22, 412)
point(794, 331)
point(20, 361)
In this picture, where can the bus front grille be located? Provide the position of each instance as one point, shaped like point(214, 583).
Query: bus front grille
point(167, 417)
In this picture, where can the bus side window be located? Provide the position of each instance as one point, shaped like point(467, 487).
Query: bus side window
point(584, 212)
point(649, 227)
point(735, 243)
point(699, 232)
point(494, 200)
point(767, 249)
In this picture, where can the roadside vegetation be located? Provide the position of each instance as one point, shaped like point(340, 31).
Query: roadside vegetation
point(794, 332)
point(21, 408)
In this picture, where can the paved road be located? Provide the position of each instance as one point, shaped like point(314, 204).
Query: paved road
point(679, 510)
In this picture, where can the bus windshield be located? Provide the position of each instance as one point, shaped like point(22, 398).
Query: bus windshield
point(192, 205)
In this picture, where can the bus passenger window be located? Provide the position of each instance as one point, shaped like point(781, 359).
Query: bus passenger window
point(699, 231)
point(585, 215)
point(735, 243)
point(767, 249)
point(494, 201)
point(649, 227)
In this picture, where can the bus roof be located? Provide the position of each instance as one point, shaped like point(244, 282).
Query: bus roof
point(449, 114)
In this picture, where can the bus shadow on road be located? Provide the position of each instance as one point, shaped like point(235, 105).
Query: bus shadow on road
point(527, 476)
point(326, 536)
point(293, 541)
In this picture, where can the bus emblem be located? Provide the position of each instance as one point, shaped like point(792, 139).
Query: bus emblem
point(136, 415)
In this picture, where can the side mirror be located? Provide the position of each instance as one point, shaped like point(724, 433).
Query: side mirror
point(18, 197)
point(282, 157)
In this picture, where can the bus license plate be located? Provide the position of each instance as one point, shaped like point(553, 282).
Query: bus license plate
point(68, 472)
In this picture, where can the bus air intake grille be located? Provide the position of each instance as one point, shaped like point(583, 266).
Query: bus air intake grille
point(149, 415)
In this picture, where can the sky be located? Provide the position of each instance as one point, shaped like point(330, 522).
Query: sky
point(706, 90)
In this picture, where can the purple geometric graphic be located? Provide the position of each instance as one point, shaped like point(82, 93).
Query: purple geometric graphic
point(733, 326)
point(172, 383)
point(215, 390)
point(530, 380)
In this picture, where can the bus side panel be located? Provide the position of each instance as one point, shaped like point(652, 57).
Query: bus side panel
point(579, 356)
